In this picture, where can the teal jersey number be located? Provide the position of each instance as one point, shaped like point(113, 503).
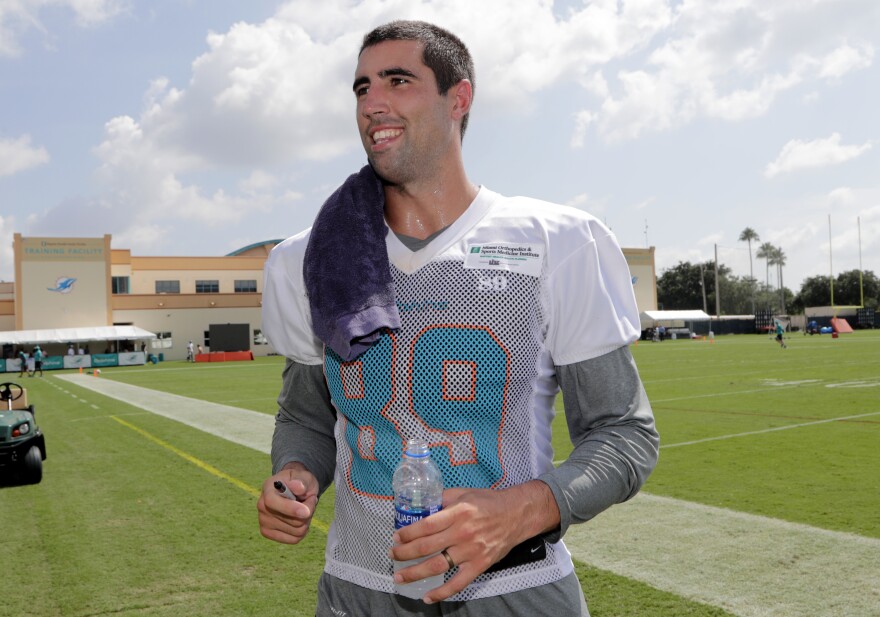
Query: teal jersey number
point(454, 395)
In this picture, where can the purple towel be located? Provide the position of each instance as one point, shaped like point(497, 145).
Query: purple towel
point(346, 270)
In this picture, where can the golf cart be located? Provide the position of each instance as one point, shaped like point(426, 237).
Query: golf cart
point(22, 446)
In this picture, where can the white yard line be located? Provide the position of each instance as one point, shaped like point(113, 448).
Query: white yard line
point(752, 566)
point(770, 430)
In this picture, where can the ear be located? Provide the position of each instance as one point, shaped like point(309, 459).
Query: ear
point(462, 97)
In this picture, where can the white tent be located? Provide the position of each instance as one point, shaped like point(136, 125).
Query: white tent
point(674, 316)
point(75, 335)
point(675, 320)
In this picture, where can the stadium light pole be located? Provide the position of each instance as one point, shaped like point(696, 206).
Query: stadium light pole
point(703, 287)
point(861, 282)
point(717, 289)
point(830, 262)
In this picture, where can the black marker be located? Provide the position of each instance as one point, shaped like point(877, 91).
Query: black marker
point(285, 492)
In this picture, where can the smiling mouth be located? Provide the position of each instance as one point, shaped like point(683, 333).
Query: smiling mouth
point(386, 134)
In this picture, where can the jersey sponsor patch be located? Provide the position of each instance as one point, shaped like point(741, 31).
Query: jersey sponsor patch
point(521, 258)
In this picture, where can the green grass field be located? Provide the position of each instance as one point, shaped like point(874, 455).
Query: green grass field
point(140, 515)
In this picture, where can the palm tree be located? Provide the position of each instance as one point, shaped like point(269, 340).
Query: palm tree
point(748, 234)
point(765, 251)
point(778, 259)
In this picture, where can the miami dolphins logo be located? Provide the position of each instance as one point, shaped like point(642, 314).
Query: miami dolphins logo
point(64, 285)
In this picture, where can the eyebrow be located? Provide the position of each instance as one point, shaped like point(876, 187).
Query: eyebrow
point(392, 72)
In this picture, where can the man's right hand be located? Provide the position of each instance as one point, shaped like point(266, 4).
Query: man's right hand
point(285, 520)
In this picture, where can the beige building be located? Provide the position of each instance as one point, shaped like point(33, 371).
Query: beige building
point(86, 283)
point(644, 277)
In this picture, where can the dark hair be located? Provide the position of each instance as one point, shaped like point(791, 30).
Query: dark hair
point(444, 53)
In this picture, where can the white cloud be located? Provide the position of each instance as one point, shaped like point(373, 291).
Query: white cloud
point(144, 179)
point(644, 203)
point(93, 12)
point(18, 155)
point(144, 194)
point(19, 16)
point(261, 95)
point(278, 91)
point(578, 201)
point(846, 59)
point(842, 196)
point(582, 122)
point(16, 16)
point(797, 155)
point(258, 182)
point(727, 60)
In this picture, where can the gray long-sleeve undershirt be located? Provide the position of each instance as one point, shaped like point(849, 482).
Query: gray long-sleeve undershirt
point(609, 421)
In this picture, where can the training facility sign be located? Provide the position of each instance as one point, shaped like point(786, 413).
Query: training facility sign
point(63, 249)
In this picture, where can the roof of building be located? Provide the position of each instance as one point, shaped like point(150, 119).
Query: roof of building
point(249, 248)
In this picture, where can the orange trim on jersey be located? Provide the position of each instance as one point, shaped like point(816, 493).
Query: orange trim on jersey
point(473, 395)
point(358, 367)
point(367, 451)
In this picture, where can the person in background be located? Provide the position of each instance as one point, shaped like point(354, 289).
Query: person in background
point(38, 360)
point(779, 334)
point(23, 358)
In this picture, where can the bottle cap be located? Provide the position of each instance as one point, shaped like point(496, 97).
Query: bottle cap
point(417, 448)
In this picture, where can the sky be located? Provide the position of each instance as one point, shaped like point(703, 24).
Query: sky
point(199, 127)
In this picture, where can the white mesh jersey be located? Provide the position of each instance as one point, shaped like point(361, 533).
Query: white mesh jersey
point(511, 288)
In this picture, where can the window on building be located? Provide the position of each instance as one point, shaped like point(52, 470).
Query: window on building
point(120, 285)
point(206, 334)
point(248, 286)
point(162, 341)
point(259, 337)
point(207, 287)
point(167, 287)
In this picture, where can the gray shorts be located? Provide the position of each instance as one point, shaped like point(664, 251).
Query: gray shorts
point(338, 598)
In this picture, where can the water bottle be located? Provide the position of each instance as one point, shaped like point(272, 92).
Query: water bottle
point(418, 492)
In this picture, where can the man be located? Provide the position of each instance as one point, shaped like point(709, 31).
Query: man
point(38, 360)
point(780, 331)
point(502, 302)
point(23, 359)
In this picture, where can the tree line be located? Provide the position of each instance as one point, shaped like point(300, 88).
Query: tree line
point(691, 286)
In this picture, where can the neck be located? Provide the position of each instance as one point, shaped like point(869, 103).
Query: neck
point(419, 209)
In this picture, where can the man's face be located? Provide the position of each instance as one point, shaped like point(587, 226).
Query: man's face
point(405, 125)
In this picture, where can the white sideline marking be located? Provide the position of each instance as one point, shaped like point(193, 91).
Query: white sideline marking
point(752, 566)
point(241, 426)
point(769, 430)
